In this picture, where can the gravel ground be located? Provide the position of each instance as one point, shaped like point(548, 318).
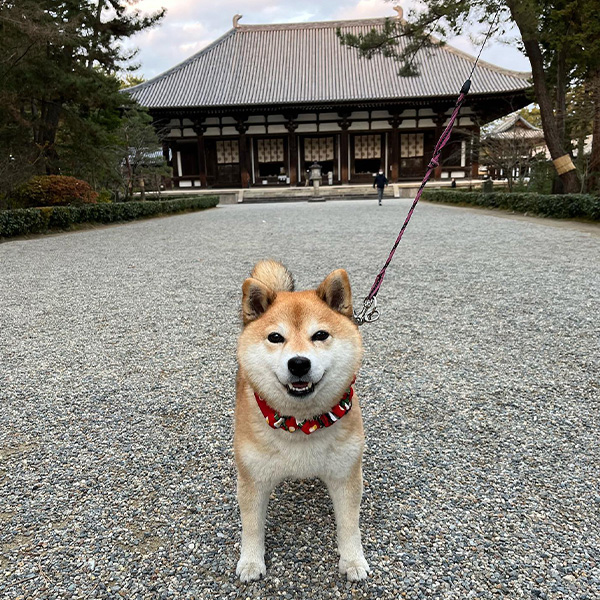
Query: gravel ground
point(479, 387)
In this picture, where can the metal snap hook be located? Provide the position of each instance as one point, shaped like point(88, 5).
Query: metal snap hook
point(368, 313)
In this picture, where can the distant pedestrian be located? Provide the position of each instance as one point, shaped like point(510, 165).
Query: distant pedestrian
point(453, 183)
point(380, 181)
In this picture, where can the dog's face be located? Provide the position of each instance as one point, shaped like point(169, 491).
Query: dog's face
point(300, 350)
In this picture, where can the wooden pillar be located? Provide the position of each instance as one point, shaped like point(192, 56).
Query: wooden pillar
point(395, 158)
point(176, 173)
point(166, 180)
point(475, 133)
point(291, 126)
point(439, 129)
point(199, 130)
point(243, 143)
point(344, 145)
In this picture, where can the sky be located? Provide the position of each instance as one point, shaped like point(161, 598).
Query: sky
point(190, 25)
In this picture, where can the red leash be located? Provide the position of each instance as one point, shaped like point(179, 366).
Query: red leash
point(369, 312)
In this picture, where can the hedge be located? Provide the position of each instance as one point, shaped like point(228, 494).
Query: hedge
point(558, 206)
point(24, 221)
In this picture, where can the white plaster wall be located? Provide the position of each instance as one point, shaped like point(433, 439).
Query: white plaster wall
point(303, 127)
point(257, 129)
point(329, 127)
point(408, 124)
point(307, 117)
point(359, 126)
point(277, 129)
point(380, 125)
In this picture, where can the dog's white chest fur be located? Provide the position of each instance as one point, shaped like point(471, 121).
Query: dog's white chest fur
point(298, 456)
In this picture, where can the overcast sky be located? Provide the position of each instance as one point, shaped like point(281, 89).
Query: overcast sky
point(192, 24)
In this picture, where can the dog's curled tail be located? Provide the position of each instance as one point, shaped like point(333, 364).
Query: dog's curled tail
point(274, 275)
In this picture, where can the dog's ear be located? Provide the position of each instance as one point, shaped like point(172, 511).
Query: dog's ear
point(256, 298)
point(335, 291)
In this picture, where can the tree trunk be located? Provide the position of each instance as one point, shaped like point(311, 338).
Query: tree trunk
point(561, 107)
point(95, 34)
point(520, 12)
point(129, 194)
point(47, 135)
point(594, 168)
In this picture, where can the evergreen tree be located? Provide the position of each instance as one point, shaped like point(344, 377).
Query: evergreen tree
point(59, 91)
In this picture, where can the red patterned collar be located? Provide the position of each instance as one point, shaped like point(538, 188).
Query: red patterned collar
point(308, 426)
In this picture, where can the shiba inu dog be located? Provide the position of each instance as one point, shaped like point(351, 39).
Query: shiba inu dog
point(296, 412)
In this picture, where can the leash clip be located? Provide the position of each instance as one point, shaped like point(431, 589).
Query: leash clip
point(369, 312)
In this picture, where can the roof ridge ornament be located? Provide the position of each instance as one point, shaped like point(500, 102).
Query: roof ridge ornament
point(400, 12)
point(236, 18)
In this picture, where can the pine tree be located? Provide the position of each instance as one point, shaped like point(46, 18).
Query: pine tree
point(558, 37)
point(58, 76)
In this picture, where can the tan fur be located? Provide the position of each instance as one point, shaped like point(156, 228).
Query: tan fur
point(274, 275)
point(264, 456)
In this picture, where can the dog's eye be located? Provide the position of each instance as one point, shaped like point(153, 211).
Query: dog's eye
point(275, 338)
point(320, 336)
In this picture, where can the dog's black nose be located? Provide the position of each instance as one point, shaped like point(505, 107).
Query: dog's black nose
point(299, 366)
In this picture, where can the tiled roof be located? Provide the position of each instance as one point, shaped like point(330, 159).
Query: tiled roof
point(513, 127)
point(514, 120)
point(306, 63)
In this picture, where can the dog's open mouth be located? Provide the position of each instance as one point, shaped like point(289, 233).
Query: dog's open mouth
point(300, 388)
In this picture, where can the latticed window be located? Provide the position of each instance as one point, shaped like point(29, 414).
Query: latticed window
point(228, 152)
point(318, 149)
point(367, 146)
point(270, 151)
point(411, 145)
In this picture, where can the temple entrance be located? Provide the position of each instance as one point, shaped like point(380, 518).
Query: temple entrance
point(366, 153)
point(412, 151)
point(222, 162)
point(320, 150)
point(271, 163)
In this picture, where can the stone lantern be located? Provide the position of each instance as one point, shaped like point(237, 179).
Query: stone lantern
point(316, 176)
point(315, 173)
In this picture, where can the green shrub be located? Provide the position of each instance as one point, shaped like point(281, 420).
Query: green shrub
point(24, 221)
point(104, 196)
point(563, 206)
point(56, 190)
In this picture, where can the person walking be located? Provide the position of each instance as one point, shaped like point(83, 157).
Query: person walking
point(380, 181)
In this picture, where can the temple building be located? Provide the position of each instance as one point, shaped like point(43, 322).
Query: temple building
point(263, 102)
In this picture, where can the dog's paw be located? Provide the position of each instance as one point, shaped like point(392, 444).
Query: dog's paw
point(355, 570)
point(250, 570)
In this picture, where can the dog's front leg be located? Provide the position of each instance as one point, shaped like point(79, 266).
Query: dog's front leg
point(346, 495)
point(253, 499)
